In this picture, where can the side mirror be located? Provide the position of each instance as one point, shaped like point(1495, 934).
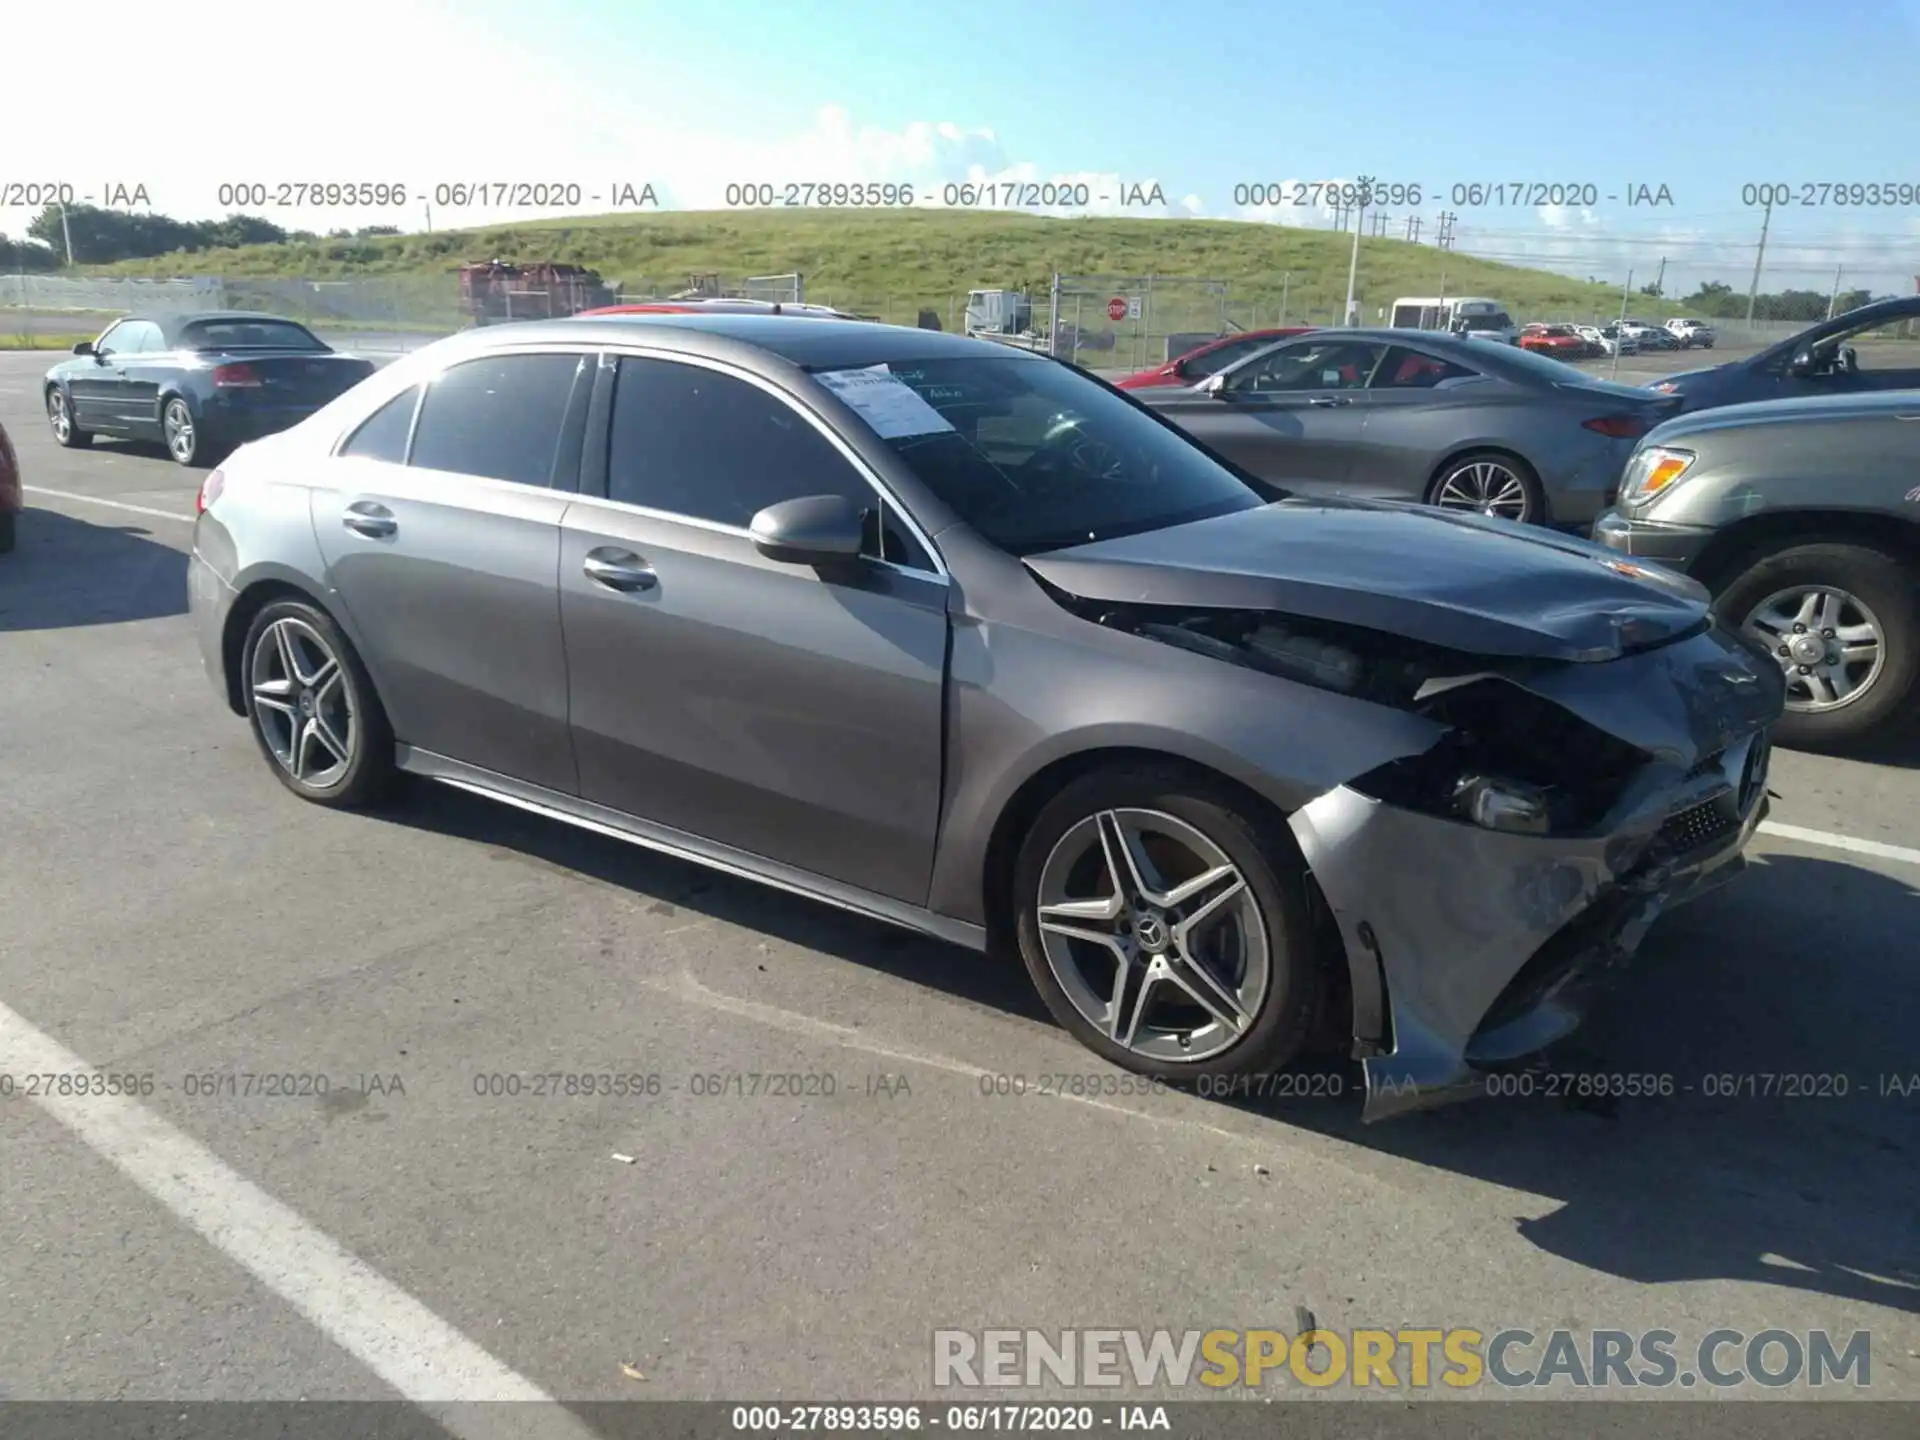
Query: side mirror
point(1177, 367)
point(85, 347)
point(1214, 385)
point(812, 530)
point(1803, 363)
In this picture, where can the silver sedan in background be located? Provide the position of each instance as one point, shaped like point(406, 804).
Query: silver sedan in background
point(1390, 414)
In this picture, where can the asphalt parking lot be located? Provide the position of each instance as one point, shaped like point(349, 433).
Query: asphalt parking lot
point(167, 910)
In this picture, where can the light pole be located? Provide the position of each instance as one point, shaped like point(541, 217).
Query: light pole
point(1365, 193)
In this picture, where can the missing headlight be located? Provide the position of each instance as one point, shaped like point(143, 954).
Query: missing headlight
point(1328, 656)
point(1510, 761)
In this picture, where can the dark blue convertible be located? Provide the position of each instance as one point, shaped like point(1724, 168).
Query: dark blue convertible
point(199, 383)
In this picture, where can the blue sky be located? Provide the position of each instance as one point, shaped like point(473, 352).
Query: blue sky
point(1197, 98)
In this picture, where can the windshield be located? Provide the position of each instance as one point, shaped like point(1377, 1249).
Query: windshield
point(248, 335)
point(1034, 455)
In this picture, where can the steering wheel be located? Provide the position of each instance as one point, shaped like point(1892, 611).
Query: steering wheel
point(1066, 455)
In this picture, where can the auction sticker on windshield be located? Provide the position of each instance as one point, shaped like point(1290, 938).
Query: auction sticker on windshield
point(885, 402)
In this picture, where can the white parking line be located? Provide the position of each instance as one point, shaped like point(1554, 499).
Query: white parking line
point(110, 504)
point(409, 1347)
point(1876, 848)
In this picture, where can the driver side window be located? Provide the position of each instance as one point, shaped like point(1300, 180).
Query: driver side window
point(1320, 365)
point(118, 340)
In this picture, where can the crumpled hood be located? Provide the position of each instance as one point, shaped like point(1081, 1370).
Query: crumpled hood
point(1466, 582)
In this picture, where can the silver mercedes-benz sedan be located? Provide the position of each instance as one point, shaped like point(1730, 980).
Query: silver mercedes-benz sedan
point(959, 637)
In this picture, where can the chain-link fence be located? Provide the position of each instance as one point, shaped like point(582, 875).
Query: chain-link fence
point(1128, 321)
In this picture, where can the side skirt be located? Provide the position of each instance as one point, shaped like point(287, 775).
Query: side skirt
point(585, 815)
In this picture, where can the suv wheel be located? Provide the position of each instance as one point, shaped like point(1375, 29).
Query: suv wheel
point(1844, 622)
point(1166, 926)
point(313, 708)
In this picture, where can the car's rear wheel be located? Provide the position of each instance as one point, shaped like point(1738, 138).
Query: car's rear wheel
point(66, 432)
point(313, 708)
point(1165, 924)
point(1844, 623)
point(185, 442)
point(1489, 482)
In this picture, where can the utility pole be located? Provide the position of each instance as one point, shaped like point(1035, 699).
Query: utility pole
point(1619, 331)
point(1659, 279)
point(1365, 193)
point(1835, 296)
point(66, 234)
point(428, 204)
point(1286, 284)
point(1753, 287)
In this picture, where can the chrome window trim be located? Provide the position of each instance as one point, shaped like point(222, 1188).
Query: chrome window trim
point(888, 500)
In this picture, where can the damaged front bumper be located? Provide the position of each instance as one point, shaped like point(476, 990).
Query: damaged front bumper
point(1470, 949)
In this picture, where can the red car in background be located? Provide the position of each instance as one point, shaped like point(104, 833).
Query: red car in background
point(1197, 364)
point(1561, 342)
point(11, 497)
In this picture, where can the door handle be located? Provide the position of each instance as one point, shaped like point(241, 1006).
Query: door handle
point(619, 570)
point(364, 517)
point(1327, 402)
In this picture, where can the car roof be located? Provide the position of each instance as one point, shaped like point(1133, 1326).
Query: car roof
point(841, 345)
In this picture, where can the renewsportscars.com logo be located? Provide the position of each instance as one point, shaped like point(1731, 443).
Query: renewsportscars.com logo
point(1406, 1358)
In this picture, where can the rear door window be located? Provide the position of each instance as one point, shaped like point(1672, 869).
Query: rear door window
point(499, 417)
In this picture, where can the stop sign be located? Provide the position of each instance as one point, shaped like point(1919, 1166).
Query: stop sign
point(1117, 308)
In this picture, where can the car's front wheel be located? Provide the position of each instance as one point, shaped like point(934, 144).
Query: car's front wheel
point(1165, 923)
point(66, 432)
point(1843, 621)
point(313, 708)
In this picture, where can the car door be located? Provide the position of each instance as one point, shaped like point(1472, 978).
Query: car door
point(142, 367)
point(95, 387)
point(784, 711)
point(1413, 417)
point(1293, 414)
point(441, 531)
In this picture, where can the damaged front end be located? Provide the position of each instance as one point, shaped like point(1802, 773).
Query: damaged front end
point(1481, 887)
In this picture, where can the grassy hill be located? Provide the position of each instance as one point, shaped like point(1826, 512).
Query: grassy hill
point(894, 263)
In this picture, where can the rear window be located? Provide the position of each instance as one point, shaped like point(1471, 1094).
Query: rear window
point(248, 335)
point(1499, 320)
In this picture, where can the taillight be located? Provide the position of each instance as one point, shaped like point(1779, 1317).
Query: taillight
point(210, 489)
point(240, 376)
point(1619, 427)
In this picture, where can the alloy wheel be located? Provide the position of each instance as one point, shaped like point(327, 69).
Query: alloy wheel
point(1831, 646)
point(178, 425)
point(59, 416)
point(1154, 934)
point(1486, 486)
point(302, 704)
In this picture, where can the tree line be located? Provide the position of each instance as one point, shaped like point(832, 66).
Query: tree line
point(100, 236)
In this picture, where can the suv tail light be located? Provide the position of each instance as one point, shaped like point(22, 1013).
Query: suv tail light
point(240, 375)
point(210, 489)
point(1619, 427)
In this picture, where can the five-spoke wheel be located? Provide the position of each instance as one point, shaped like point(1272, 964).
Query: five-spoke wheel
point(1163, 921)
point(313, 708)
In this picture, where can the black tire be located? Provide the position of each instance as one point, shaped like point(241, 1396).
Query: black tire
point(186, 442)
point(75, 438)
point(8, 531)
point(367, 775)
point(1536, 512)
point(1888, 586)
point(1261, 848)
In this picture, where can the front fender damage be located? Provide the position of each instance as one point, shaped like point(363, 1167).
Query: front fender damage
point(1474, 934)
